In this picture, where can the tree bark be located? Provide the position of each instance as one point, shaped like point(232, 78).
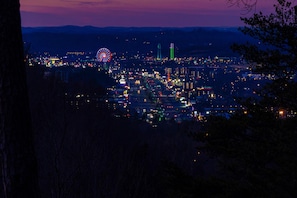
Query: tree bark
point(17, 157)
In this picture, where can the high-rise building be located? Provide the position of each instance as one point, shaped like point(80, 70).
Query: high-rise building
point(168, 70)
point(159, 54)
point(171, 51)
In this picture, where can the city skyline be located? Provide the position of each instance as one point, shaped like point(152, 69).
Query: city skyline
point(132, 13)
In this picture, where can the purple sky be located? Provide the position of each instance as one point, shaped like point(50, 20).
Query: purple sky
point(134, 13)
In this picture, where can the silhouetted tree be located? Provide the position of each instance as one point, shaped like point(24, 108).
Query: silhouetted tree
point(256, 152)
point(275, 53)
point(18, 163)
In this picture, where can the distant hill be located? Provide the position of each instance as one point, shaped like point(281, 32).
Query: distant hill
point(88, 29)
point(91, 29)
point(195, 41)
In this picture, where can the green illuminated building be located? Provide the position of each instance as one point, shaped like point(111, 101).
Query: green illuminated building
point(171, 51)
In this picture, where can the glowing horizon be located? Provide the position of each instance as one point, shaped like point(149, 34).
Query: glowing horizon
point(129, 13)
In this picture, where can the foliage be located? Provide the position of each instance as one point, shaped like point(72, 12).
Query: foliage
point(275, 53)
point(255, 150)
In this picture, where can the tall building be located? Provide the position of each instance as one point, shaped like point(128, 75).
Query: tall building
point(159, 54)
point(171, 51)
point(168, 71)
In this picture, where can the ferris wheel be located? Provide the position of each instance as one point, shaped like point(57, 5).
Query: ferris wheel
point(103, 55)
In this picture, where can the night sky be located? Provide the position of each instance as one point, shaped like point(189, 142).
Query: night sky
point(134, 13)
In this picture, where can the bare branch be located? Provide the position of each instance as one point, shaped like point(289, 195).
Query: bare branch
point(246, 6)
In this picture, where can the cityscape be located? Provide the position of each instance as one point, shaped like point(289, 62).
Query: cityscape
point(162, 87)
point(148, 99)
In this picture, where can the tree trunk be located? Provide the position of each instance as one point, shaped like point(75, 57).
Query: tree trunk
point(17, 157)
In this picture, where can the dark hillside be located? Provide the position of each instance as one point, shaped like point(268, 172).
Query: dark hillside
point(83, 151)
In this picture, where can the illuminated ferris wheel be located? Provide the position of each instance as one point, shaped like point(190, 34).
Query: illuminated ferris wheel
point(103, 55)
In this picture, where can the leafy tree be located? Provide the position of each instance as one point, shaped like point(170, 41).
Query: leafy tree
point(275, 53)
point(18, 162)
point(256, 152)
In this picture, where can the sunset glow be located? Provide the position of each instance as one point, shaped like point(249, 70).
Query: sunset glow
point(102, 13)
